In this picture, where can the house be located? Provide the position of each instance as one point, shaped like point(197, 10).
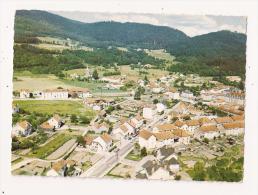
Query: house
point(56, 121)
point(152, 169)
point(148, 113)
point(80, 93)
point(47, 127)
point(172, 164)
point(157, 90)
point(165, 153)
point(238, 118)
point(222, 120)
point(164, 127)
point(147, 139)
point(234, 128)
point(52, 94)
point(25, 93)
point(88, 139)
point(160, 107)
point(151, 140)
point(207, 131)
point(207, 122)
point(138, 121)
point(124, 131)
point(172, 93)
point(58, 168)
point(23, 128)
point(187, 94)
point(99, 128)
point(15, 108)
point(192, 126)
point(102, 143)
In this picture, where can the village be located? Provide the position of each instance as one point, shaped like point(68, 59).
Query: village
point(153, 129)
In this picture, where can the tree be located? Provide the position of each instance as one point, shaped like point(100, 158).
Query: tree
point(95, 74)
point(84, 120)
point(199, 173)
point(73, 118)
point(80, 140)
point(155, 101)
point(206, 140)
point(143, 152)
point(146, 80)
point(137, 95)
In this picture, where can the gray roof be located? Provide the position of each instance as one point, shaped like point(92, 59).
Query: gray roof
point(166, 151)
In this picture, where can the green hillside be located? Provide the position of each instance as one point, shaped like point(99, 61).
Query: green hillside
point(215, 53)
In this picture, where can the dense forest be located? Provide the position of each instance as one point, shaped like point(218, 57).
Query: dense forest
point(47, 61)
point(213, 54)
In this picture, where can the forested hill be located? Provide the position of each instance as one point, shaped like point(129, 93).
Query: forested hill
point(214, 53)
point(35, 23)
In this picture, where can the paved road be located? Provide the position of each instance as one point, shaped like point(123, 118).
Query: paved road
point(103, 166)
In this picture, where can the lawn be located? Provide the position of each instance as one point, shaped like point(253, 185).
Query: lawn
point(51, 146)
point(30, 81)
point(160, 54)
point(133, 156)
point(50, 107)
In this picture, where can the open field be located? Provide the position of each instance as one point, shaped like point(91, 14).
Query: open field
point(51, 146)
point(63, 107)
point(38, 82)
point(161, 54)
point(133, 74)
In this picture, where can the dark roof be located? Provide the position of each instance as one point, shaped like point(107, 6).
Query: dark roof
point(141, 176)
point(166, 151)
point(150, 166)
point(172, 161)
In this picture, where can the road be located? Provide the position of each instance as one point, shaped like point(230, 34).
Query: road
point(102, 167)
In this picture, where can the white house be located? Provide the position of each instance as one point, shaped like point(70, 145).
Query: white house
point(147, 139)
point(58, 168)
point(124, 131)
point(15, 109)
point(160, 107)
point(156, 140)
point(23, 128)
point(234, 128)
point(148, 113)
point(207, 131)
point(192, 126)
point(157, 90)
point(55, 121)
point(84, 93)
point(99, 128)
point(138, 121)
point(172, 93)
point(102, 143)
point(187, 95)
point(24, 93)
point(51, 94)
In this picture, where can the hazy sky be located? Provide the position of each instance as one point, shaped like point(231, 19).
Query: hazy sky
point(192, 25)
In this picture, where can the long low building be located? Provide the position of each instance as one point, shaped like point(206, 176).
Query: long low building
point(151, 140)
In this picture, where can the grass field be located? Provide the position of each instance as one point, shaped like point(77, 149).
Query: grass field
point(26, 80)
point(133, 74)
point(62, 107)
point(51, 146)
point(161, 54)
point(133, 156)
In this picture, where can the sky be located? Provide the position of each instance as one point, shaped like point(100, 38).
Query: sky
point(192, 25)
